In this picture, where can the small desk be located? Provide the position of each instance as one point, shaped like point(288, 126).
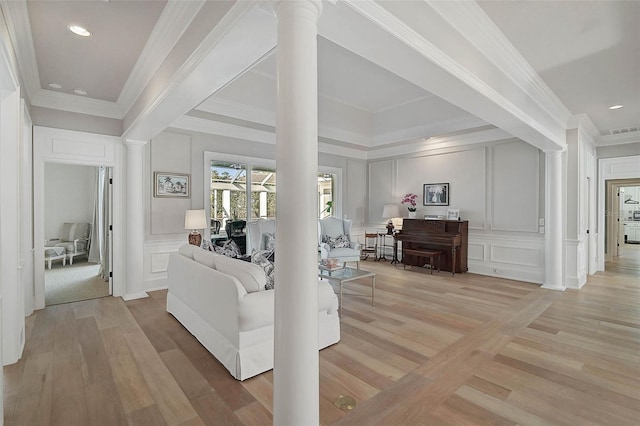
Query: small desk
point(347, 274)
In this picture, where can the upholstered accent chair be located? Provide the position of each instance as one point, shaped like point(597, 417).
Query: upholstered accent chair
point(261, 235)
point(75, 240)
point(334, 240)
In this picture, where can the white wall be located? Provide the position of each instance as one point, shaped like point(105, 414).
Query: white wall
point(69, 196)
point(497, 187)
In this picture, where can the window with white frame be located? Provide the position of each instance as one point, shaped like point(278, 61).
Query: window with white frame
point(244, 188)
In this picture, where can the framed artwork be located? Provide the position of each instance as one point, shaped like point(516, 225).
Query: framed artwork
point(436, 194)
point(174, 185)
point(453, 214)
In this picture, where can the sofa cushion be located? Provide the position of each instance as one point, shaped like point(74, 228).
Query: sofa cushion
point(229, 249)
point(269, 240)
point(251, 276)
point(187, 250)
point(207, 258)
point(264, 259)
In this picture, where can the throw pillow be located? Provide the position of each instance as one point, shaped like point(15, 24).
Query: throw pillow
point(269, 240)
point(264, 259)
point(229, 249)
point(338, 242)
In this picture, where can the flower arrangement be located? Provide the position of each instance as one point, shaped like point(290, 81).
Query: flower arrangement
point(410, 199)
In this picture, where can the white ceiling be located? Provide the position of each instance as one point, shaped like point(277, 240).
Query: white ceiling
point(586, 52)
point(99, 64)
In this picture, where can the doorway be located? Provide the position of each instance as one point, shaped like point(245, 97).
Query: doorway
point(77, 219)
point(623, 226)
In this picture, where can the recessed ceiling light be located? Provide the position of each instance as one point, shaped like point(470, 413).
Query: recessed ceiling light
point(55, 86)
point(616, 106)
point(77, 29)
point(79, 91)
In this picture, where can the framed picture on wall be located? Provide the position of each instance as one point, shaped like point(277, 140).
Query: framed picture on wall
point(436, 194)
point(171, 185)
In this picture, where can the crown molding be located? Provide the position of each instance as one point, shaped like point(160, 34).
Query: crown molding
point(73, 103)
point(438, 144)
point(619, 139)
point(468, 19)
point(437, 128)
point(540, 130)
point(202, 125)
point(16, 16)
point(217, 105)
point(584, 125)
point(173, 22)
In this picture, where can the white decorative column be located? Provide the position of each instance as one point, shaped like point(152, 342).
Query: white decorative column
point(296, 364)
point(554, 233)
point(135, 218)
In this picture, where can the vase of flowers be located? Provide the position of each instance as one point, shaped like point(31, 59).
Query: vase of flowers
point(410, 200)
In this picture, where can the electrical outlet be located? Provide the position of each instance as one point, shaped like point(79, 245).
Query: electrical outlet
point(541, 221)
point(541, 229)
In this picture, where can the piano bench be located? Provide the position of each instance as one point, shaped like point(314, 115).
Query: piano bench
point(431, 254)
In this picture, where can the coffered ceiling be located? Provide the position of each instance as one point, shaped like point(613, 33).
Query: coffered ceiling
point(583, 54)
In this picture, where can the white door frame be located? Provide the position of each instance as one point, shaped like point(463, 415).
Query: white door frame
point(79, 148)
point(611, 169)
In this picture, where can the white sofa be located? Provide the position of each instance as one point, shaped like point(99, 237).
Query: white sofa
point(221, 302)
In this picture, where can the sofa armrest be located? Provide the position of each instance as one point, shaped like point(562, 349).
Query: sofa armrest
point(324, 250)
point(256, 310)
point(355, 245)
point(210, 294)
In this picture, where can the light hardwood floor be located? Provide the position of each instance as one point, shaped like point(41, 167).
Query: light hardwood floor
point(435, 349)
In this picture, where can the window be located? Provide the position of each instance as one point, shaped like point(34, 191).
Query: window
point(325, 194)
point(244, 188)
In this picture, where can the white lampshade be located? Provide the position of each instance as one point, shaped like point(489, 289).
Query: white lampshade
point(390, 210)
point(195, 219)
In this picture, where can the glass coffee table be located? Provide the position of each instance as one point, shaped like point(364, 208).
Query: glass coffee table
point(345, 274)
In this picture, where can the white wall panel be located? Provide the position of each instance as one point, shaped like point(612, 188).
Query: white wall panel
point(170, 152)
point(514, 255)
point(381, 184)
point(355, 197)
point(517, 258)
point(514, 187)
point(156, 261)
point(476, 251)
point(463, 170)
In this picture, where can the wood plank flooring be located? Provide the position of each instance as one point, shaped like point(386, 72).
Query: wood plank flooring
point(434, 350)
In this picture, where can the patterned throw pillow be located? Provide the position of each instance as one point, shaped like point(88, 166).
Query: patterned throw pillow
point(270, 240)
point(338, 242)
point(229, 249)
point(264, 259)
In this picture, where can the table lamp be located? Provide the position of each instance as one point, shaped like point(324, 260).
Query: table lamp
point(194, 220)
point(390, 211)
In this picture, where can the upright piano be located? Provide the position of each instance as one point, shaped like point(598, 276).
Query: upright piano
point(451, 237)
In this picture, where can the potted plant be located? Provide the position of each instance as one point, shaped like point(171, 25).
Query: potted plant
point(410, 200)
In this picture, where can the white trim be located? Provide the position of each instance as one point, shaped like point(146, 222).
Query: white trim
point(16, 17)
point(43, 140)
point(609, 169)
point(78, 104)
point(378, 15)
point(619, 139)
point(173, 22)
point(470, 20)
point(422, 146)
point(244, 24)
